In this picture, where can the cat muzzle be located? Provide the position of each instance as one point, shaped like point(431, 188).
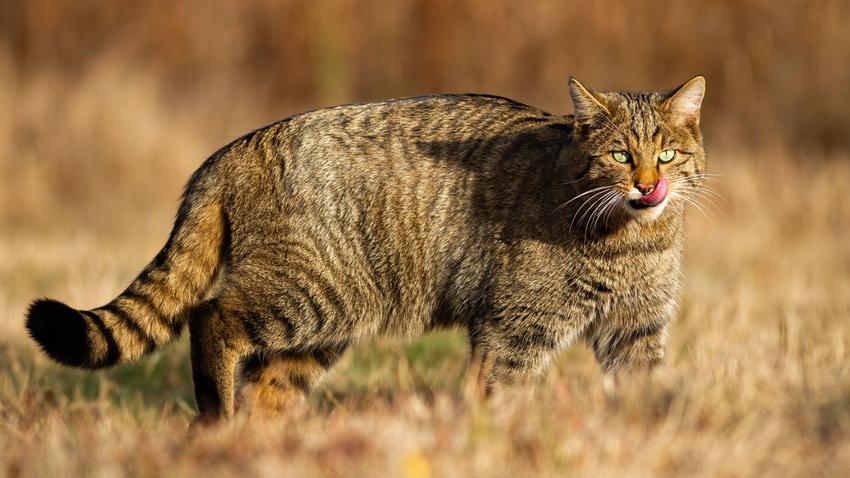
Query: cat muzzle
point(653, 197)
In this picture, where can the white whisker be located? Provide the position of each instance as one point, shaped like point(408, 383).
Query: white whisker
point(612, 201)
point(590, 200)
point(694, 203)
point(591, 221)
point(580, 195)
point(709, 196)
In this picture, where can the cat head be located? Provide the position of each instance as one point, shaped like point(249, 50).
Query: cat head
point(641, 150)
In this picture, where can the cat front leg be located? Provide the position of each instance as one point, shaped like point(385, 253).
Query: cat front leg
point(509, 353)
point(637, 344)
point(494, 373)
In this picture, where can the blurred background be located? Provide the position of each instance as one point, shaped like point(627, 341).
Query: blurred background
point(106, 108)
point(121, 100)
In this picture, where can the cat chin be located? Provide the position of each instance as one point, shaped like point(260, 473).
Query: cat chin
point(647, 214)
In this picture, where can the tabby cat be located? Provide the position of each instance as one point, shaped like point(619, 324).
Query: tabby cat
point(529, 230)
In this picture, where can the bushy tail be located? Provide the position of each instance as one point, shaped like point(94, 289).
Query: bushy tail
point(153, 309)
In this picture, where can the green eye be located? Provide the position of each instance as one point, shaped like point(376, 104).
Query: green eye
point(667, 156)
point(621, 156)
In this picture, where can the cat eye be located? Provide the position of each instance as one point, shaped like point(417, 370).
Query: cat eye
point(667, 156)
point(621, 156)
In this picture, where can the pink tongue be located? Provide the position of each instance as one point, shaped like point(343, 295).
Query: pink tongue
point(657, 195)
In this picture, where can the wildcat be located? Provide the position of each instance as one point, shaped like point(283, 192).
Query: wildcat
point(529, 230)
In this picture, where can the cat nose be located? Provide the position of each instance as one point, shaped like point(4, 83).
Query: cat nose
point(645, 188)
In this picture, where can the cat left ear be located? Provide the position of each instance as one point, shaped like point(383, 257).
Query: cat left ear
point(685, 101)
point(586, 103)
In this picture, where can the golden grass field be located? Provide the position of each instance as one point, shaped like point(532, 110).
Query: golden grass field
point(112, 109)
point(757, 381)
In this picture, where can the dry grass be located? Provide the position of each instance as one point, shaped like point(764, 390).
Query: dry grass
point(757, 381)
point(113, 108)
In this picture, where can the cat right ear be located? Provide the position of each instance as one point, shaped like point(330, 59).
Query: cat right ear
point(684, 102)
point(586, 103)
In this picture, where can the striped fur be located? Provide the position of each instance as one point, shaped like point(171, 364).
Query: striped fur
point(394, 218)
point(151, 312)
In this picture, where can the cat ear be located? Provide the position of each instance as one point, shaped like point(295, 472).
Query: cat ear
point(586, 103)
point(684, 102)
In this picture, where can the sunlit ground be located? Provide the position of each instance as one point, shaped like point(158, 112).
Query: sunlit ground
point(757, 381)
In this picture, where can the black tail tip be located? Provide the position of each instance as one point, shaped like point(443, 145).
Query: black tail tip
point(61, 331)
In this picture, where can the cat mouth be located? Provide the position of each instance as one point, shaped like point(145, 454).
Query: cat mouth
point(636, 204)
point(654, 198)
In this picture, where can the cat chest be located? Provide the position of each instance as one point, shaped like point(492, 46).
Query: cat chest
point(626, 287)
point(583, 286)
